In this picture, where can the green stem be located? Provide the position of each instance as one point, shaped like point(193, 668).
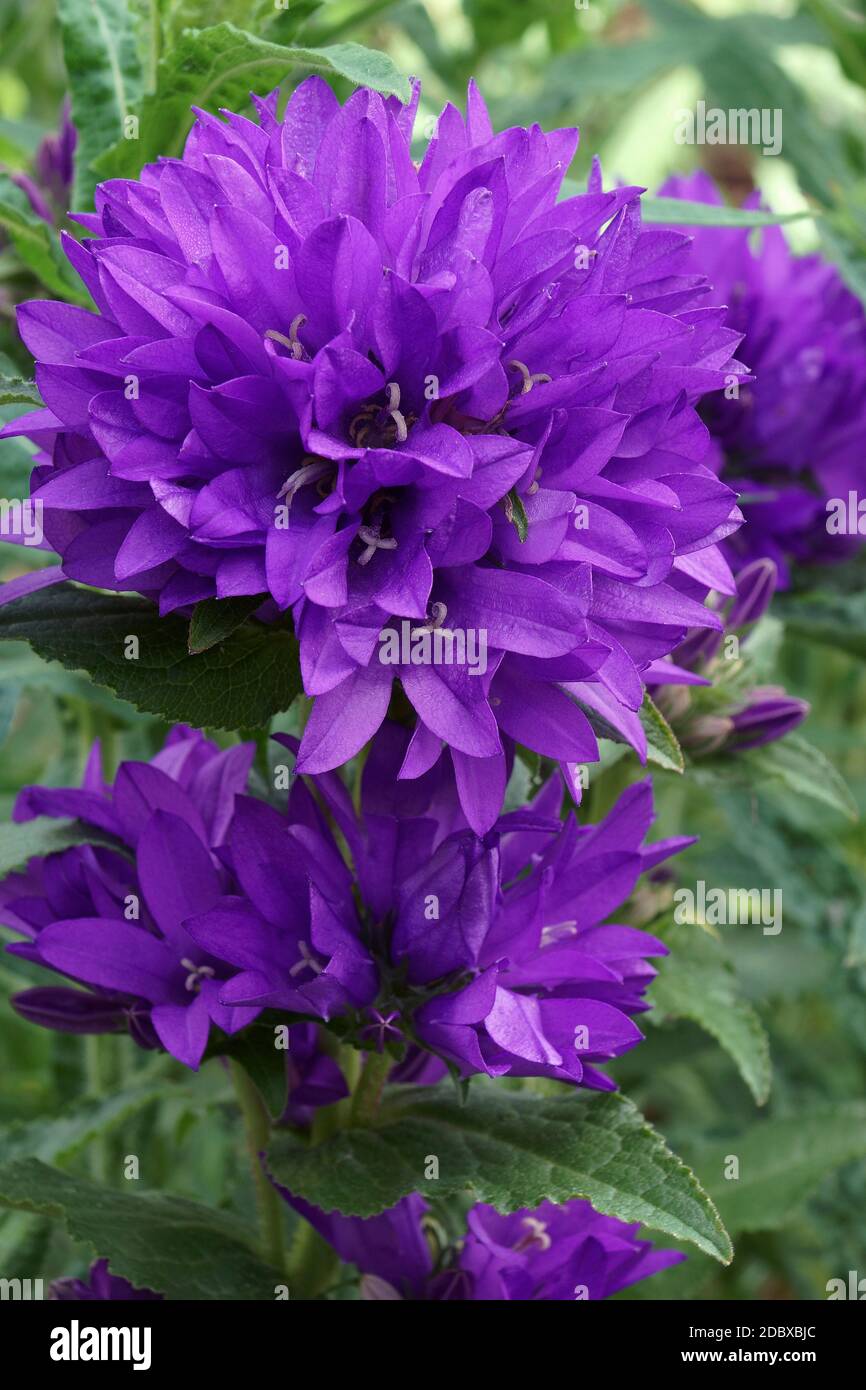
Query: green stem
point(312, 1264)
point(108, 739)
point(365, 1101)
point(95, 1070)
point(257, 1127)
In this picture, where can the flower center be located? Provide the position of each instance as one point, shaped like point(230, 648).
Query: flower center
point(315, 470)
point(373, 541)
point(536, 1235)
point(381, 1027)
point(438, 614)
point(197, 973)
point(381, 426)
point(306, 961)
point(530, 379)
point(295, 346)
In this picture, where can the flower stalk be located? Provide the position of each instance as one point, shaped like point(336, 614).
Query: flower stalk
point(257, 1129)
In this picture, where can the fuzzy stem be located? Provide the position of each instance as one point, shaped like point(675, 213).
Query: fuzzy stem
point(365, 1101)
point(257, 1127)
point(313, 1263)
point(95, 1070)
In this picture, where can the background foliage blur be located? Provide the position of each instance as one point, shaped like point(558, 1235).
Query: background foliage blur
point(621, 71)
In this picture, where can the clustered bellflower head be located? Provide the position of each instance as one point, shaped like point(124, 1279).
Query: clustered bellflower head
point(390, 397)
point(791, 440)
point(739, 718)
point(112, 918)
point(489, 954)
point(550, 1253)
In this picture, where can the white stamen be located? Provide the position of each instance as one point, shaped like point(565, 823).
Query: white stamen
point(306, 960)
point(308, 473)
point(295, 347)
point(373, 541)
point(196, 974)
point(438, 615)
point(536, 1234)
point(394, 411)
point(529, 378)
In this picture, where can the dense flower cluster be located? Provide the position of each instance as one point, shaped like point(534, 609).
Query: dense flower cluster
point(490, 954)
point(108, 914)
point(379, 394)
point(791, 440)
point(550, 1253)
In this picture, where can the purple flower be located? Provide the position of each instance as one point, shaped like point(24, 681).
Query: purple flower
point(556, 1253)
point(768, 714)
point(551, 1253)
point(737, 720)
point(380, 394)
point(99, 1286)
point(314, 1077)
point(112, 917)
point(492, 953)
point(48, 185)
point(793, 439)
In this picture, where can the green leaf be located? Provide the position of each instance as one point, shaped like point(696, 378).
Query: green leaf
point(18, 843)
point(662, 746)
point(215, 619)
point(60, 1137)
point(251, 676)
point(848, 257)
point(696, 982)
point(516, 514)
point(14, 390)
point(100, 50)
point(21, 665)
point(804, 770)
point(682, 213)
point(510, 1149)
point(257, 15)
point(216, 67)
point(610, 70)
point(835, 620)
point(173, 1246)
point(780, 1162)
point(37, 244)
